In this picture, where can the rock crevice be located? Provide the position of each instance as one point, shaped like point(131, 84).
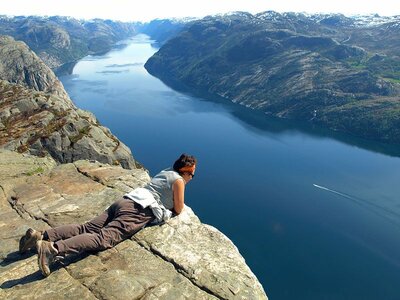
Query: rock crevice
point(179, 269)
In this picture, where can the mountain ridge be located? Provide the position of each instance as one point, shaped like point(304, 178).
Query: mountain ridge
point(61, 40)
point(291, 67)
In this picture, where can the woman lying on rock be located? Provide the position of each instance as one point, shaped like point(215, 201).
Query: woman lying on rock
point(125, 217)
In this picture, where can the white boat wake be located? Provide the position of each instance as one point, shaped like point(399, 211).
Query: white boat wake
point(333, 191)
point(371, 206)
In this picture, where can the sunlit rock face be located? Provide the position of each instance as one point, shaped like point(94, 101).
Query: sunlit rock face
point(37, 115)
point(19, 64)
point(181, 259)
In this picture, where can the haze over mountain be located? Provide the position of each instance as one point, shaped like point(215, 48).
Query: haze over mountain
point(336, 71)
point(61, 40)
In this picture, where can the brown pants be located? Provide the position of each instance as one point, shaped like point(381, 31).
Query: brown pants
point(120, 221)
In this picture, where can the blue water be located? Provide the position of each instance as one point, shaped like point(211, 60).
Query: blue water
point(316, 215)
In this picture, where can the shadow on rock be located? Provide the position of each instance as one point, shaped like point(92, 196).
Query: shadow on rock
point(36, 276)
point(15, 256)
point(24, 280)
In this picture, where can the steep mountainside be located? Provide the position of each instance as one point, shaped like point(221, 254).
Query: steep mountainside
point(36, 114)
point(324, 69)
point(18, 64)
point(61, 40)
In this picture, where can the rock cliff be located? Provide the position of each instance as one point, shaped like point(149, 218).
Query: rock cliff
point(182, 259)
point(19, 64)
point(36, 114)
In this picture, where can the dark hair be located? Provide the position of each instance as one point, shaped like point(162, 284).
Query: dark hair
point(184, 160)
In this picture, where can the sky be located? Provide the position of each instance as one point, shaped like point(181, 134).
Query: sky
point(146, 10)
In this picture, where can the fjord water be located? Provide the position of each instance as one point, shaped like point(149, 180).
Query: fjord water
point(315, 215)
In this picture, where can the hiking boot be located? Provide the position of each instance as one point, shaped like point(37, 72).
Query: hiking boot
point(46, 254)
point(28, 241)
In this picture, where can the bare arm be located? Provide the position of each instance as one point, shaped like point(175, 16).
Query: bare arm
point(178, 188)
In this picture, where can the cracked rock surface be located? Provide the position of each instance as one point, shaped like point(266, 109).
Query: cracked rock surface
point(181, 259)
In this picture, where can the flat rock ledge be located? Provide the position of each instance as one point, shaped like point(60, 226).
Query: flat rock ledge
point(181, 259)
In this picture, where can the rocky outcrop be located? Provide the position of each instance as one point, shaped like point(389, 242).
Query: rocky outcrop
point(44, 124)
point(181, 259)
point(37, 116)
point(19, 64)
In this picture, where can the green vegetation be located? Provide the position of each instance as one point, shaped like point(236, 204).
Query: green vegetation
point(38, 170)
point(358, 65)
point(393, 80)
point(385, 66)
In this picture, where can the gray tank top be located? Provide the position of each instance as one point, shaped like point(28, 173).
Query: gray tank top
point(161, 187)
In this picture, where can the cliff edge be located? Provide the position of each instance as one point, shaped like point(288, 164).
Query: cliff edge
point(58, 165)
point(181, 259)
point(37, 115)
